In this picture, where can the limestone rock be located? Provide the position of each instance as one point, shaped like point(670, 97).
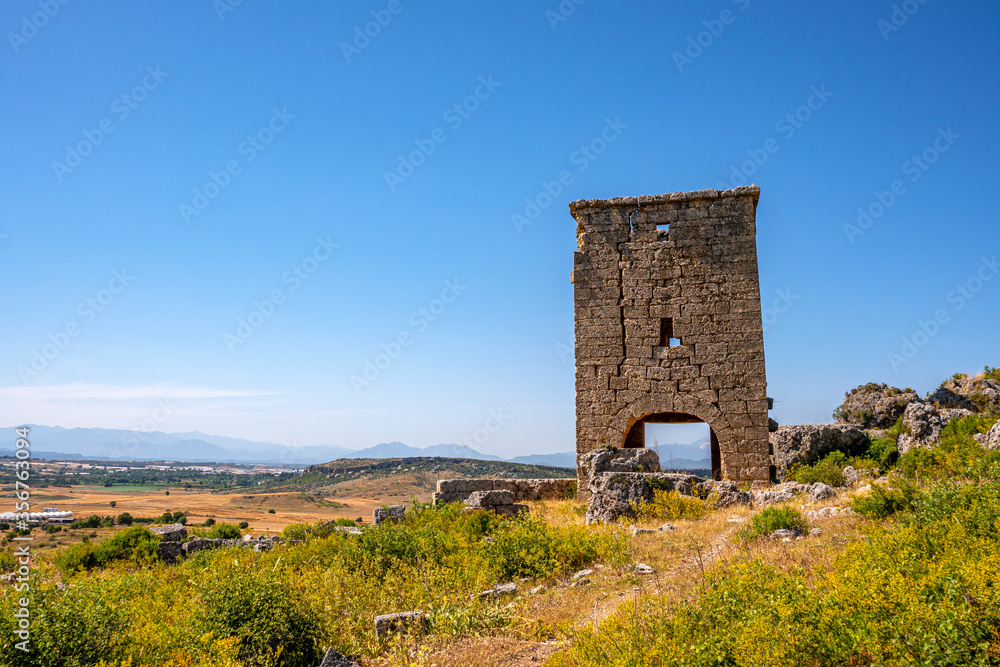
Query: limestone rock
point(642, 568)
point(944, 398)
point(174, 532)
point(390, 513)
point(484, 499)
point(806, 444)
point(922, 424)
point(993, 437)
point(401, 621)
point(785, 533)
point(614, 493)
point(982, 394)
point(820, 491)
point(667, 527)
point(498, 591)
point(851, 476)
point(723, 494)
point(617, 460)
point(169, 551)
point(874, 405)
point(583, 573)
point(335, 659)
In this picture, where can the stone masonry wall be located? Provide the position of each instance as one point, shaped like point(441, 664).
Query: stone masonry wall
point(668, 322)
point(452, 490)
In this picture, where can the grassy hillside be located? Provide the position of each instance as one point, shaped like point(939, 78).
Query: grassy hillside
point(423, 470)
point(904, 571)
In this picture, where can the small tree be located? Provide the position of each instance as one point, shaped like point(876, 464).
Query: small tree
point(125, 519)
point(113, 503)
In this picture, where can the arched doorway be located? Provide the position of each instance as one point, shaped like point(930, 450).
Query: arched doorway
point(635, 437)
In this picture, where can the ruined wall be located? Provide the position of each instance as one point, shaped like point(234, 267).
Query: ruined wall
point(452, 490)
point(668, 323)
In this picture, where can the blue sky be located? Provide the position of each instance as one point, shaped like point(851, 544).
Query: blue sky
point(183, 166)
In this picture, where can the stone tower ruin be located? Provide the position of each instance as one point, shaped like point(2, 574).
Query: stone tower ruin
point(668, 324)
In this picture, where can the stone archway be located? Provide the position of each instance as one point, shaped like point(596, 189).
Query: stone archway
point(635, 437)
point(627, 427)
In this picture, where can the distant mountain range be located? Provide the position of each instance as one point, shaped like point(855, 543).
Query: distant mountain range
point(56, 442)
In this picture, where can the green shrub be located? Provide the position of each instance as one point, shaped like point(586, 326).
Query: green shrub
point(771, 519)
point(209, 522)
point(345, 522)
point(92, 521)
point(125, 519)
point(992, 373)
point(264, 613)
point(829, 470)
point(295, 531)
point(882, 501)
point(135, 545)
point(244, 525)
point(224, 531)
point(270, 511)
point(883, 451)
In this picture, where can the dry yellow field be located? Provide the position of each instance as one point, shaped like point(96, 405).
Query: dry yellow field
point(351, 500)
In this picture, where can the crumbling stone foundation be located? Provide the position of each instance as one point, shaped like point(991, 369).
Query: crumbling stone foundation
point(668, 324)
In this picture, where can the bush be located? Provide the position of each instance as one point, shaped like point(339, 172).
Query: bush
point(672, 506)
point(244, 525)
point(92, 521)
point(956, 455)
point(345, 522)
point(883, 451)
point(882, 501)
point(224, 531)
point(829, 470)
point(52, 528)
point(135, 545)
point(295, 531)
point(209, 523)
point(771, 519)
point(264, 613)
point(271, 511)
point(125, 519)
point(992, 373)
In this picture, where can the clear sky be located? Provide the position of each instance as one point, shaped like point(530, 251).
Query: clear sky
point(172, 168)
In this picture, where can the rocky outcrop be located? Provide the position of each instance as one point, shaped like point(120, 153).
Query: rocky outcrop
point(874, 405)
point(174, 532)
point(922, 424)
point(614, 494)
point(498, 502)
point(993, 437)
point(723, 494)
point(388, 513)
point(806, 444)
point(979, 394)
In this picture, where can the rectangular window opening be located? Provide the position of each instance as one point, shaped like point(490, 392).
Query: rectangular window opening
point(661, 231)
point(667, 338)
